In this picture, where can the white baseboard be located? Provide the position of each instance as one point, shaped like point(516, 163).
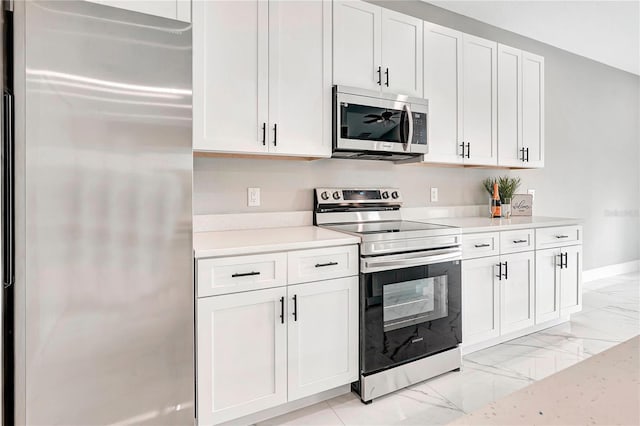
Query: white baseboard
point(610, 271)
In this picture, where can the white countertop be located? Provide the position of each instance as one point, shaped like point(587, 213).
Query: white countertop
point(251, 241)
point(485, 224)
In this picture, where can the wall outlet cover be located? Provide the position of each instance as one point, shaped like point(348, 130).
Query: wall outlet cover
point(532, 192)
point(253, 197)
point(434, 195)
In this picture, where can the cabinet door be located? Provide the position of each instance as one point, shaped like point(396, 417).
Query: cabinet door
point(547, 285)
point(401, 54)
point(241, 354)
point(571, 281)
point(323, 336)
point(172, 9)
point(442, 69)
point(480, 300)
point(230, 79)
point(509, 106)
point(479, 100)
point(517, 292)
point(533, 108)
point(300, 78)
point(356, 44)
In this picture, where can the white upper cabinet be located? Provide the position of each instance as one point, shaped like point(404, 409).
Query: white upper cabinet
point(479, 81)
point(300, 78)
point(442, 67)
point(172, 9)
point(510, 106)
point(357, 28)
point(401, 54)
point(520, 108)
point(262, 77)
point(230, 80)
point(376, 48)
point(533, 109)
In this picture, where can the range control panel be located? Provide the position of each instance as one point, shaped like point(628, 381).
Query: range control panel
point(350, 196)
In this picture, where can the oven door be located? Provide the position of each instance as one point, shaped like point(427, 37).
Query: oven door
point(409, 313)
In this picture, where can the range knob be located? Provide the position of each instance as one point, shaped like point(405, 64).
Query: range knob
point(324, 195)
point(385, 195)
point(395, 194)
point(336, 195)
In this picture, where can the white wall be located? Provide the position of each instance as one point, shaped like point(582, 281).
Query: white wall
point(592, 156)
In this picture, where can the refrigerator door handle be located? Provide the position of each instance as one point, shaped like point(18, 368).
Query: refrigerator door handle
point(7, 191)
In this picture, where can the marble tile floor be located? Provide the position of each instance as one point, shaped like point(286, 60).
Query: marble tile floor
point(610, 315)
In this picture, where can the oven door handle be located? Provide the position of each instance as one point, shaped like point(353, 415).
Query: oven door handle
point(374, 265)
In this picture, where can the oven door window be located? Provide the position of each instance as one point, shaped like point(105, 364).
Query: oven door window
point(373, 123)
point(414, 302)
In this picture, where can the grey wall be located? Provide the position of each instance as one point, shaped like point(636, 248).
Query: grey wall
point(591, 161)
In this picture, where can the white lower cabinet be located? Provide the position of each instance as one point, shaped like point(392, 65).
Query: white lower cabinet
point(241, 354)
point(322, 336)
point(517, 292)
point(480, 300)
point(506, 295)
point(263, 348)
point(558, 282)
point(547, 285)
point(571, 280)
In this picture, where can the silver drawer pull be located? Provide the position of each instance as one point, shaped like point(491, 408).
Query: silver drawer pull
point(519, 241)
point(322, 265)
point(562, 236)
point(482, 245)
point(245, 274)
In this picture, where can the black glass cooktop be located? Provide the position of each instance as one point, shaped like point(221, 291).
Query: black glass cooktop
point(386, 227)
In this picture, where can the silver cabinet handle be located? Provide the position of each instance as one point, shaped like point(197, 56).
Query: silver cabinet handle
point(562, 236)
point(520, 241)
point(482, 245)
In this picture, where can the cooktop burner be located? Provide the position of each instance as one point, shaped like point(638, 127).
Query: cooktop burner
point(385, 226)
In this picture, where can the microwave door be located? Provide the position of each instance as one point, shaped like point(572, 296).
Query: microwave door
point(366, 124)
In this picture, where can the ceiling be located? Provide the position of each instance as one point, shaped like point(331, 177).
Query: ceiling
point(605, 31)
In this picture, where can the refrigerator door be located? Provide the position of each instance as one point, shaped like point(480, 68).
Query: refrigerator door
point(106, 301)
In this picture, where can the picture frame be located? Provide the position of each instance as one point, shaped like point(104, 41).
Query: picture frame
point(521, 205)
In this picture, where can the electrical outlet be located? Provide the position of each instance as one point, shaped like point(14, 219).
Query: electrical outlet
point(532, 192)
point(434, 195)
point(253, 197)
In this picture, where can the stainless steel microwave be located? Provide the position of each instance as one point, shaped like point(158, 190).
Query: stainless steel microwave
point(378, 126)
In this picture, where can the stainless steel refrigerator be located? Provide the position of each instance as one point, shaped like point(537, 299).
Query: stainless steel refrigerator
point(98, 310)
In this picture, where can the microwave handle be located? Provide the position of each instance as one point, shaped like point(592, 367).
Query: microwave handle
point(409, 138)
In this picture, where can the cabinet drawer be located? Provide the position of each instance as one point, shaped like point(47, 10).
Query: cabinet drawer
point(480, 245)
point(517, 241)
point(558, 236)
point(321, 264)
point(241, 273)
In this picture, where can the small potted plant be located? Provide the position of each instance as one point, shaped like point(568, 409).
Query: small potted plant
point(507, 186)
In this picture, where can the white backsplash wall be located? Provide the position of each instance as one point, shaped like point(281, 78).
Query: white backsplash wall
point(220, 184)
point(591, 161)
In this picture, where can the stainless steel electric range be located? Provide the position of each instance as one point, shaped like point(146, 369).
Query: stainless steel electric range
point(410, 297)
